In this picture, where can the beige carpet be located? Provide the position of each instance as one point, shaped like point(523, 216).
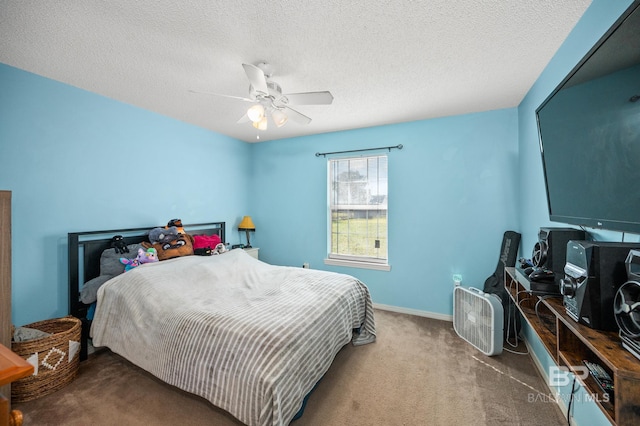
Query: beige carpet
point(419, 372)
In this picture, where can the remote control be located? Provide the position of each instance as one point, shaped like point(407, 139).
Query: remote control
point(601, 376)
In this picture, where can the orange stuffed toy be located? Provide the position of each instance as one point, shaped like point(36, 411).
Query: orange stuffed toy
point(177, 223)
point(180, 245)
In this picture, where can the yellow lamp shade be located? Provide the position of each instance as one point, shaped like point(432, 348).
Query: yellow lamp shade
point(246, 224)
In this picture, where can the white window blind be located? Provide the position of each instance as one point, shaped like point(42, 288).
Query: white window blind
point(358, 204)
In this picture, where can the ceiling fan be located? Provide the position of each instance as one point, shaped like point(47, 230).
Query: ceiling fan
point(269, 101)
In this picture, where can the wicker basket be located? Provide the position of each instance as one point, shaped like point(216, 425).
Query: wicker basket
point(54, 368)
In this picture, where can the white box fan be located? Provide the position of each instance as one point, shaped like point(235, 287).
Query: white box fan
point(479, 319)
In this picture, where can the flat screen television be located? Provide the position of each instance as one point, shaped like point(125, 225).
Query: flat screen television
point(589, 130)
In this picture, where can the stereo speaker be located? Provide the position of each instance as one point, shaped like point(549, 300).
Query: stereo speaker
point(593, 273)
point(626, 305)
point(550, 251)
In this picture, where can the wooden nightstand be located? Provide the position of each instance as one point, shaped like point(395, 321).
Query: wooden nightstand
point(12, 368)
point(253, 251)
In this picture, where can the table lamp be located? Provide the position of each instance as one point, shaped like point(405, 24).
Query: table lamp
point(247, 225)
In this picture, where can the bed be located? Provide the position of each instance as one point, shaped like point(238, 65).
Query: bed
point(252, 338)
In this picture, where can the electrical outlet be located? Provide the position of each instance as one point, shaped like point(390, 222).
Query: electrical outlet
point(457, 279)
point(305, 265)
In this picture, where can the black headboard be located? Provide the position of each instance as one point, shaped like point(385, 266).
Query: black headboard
point(85, 249)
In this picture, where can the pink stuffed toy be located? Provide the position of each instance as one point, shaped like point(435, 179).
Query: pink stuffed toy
point(206, 241)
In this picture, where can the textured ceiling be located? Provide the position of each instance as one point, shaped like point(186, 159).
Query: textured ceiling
point(383, 61)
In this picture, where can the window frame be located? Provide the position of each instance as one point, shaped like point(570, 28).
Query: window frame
point(351, 260)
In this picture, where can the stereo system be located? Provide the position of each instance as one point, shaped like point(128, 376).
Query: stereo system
point(626, 305)
point(593, 272)
point(550, 251)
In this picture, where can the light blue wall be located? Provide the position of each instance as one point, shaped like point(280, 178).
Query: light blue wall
point(76, 161)
point(451, 192)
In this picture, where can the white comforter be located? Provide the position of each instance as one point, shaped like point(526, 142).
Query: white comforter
point(250, 337)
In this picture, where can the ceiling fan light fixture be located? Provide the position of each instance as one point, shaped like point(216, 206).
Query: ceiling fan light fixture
point(279, 117)
point(261, 124)
point(267, 102)
point(255, 113)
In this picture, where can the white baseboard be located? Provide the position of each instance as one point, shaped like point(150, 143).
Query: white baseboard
point(416, 312)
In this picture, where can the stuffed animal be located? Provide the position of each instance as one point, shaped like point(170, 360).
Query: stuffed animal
point(149, 256)
point(206, 245)
point(220, 248)
point(204, 241)
point(118, 244)
point(181, 245)
point(163, 235)
point(177, 223)
point(129, 264)
point(203, 251)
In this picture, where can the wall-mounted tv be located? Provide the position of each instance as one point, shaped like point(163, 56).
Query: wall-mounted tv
point(589, 130)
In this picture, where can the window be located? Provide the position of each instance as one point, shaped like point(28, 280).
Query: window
point(358, 196)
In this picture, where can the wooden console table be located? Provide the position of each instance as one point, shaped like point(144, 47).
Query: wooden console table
point(569, 343)
point(12, 368)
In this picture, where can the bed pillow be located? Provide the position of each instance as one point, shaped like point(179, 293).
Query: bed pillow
point(182, 245)
point(206, 241)
point(110, 266)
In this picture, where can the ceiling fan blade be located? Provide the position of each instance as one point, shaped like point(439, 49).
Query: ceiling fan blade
point(224, 96)
point(297, 116)
point(256, 78)
point(244, 119)
point(310, 98)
